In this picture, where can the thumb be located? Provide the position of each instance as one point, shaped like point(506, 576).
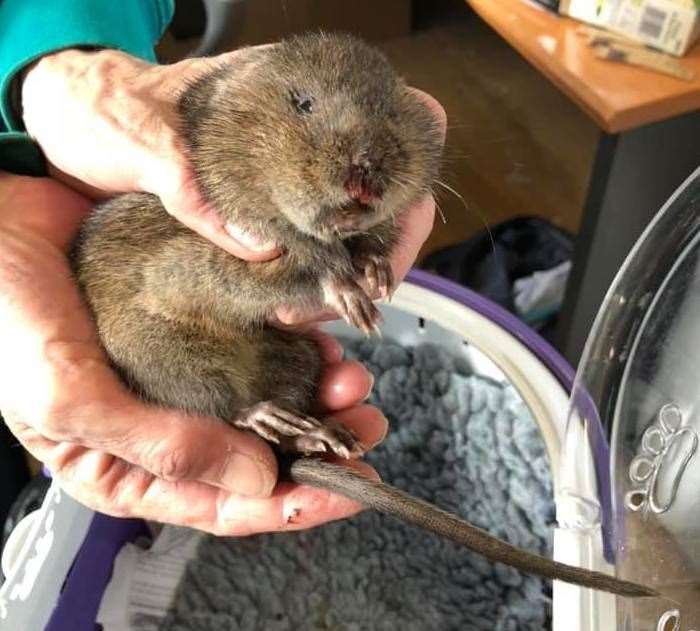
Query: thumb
point(171, 445)
point(177, 447)
point(183, 200)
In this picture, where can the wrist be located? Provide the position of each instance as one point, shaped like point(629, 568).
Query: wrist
point(82, 73)
point(28, 82)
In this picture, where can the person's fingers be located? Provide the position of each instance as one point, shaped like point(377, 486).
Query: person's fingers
point(115, 487)
point(19, 193)
point(76, 184)
point(181, 197)
point(331, 349)
point(435, 107)
point(169, 444)
point(291, 507)
point(368, 424)
point(112, 486)
point(287, 316)
point(416, 224)
point(117, 101)
point(174, 447)
point(344, 384)
point(184, 202)
point(170, 176)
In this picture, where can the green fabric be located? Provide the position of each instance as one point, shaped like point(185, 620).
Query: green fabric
point(18, 154)
point(30, 29)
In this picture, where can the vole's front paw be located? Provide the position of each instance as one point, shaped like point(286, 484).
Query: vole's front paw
point(376, 269)
point(351, 302)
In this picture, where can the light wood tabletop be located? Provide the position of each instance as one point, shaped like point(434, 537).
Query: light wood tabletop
point(617, 96)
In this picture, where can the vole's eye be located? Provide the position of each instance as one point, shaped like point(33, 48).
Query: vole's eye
point(303, 103)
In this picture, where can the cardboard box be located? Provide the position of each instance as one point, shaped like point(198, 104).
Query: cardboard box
point(669, 25)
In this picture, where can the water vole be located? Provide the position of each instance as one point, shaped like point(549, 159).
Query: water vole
point(318, 145)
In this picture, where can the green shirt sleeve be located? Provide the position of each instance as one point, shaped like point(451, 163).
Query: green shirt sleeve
point(30, 29)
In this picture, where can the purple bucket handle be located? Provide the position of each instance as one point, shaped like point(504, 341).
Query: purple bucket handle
point(557, 365)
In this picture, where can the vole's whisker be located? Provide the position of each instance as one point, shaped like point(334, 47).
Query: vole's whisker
point(442, 214)
point(448, 188)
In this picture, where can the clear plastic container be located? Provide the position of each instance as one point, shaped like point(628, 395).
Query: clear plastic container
point(639, 378)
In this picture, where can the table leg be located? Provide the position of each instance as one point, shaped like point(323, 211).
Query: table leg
point(633, 174)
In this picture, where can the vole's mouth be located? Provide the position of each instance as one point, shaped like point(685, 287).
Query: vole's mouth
point(354, 206)
point(348, 218)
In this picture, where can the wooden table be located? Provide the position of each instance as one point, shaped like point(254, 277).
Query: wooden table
point(649, 143)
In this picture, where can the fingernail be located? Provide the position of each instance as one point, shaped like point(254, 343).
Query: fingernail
point(337, 352)
point(371, 386)
point(384, 434)
point(245, 476)
point(249, 240)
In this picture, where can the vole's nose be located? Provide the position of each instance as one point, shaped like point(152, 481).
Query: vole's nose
point(362, 183)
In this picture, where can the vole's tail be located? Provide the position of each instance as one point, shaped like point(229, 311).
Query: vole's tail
point(392, 501)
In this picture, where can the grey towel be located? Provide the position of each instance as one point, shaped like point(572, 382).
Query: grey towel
point(465, 442)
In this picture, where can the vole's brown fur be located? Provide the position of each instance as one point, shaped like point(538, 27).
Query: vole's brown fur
point(316, 144)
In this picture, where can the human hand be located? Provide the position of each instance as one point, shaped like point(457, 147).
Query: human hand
point(107, 123)
point(107, 448)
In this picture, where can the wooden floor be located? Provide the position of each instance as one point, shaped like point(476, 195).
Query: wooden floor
point(515, 144)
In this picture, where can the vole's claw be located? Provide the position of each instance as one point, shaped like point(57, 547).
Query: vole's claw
point(266, 433)
point(352, 303)
point(306, 445)
point(377, 271)
point(386, 278)
point(372, 277)
point(272, 423)
point(329, 436)
point(298, 433)
point(341, 440)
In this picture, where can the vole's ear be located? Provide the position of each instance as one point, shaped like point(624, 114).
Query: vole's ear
point(198, 90)
point(245, 55)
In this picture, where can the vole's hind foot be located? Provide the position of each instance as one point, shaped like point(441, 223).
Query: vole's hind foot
point(298, 433)
point(330, 436)
point(377, 271)
point(351, 302)
point(273, 423)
